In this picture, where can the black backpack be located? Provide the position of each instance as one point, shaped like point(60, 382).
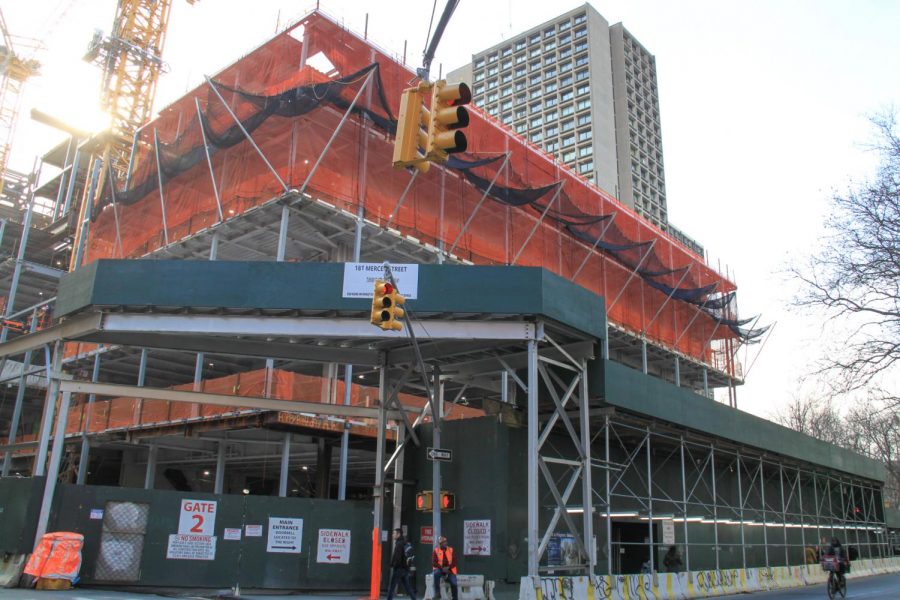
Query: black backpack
point(409, 554)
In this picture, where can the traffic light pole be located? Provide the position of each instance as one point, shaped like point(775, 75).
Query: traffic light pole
point(425, 71)
point(436, 464)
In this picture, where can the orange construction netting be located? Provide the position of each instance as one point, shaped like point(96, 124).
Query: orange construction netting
point(356, 172)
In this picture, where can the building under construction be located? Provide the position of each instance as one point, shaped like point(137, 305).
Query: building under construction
point(566, 346)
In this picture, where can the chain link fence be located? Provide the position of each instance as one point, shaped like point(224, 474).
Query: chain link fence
point(122, 541)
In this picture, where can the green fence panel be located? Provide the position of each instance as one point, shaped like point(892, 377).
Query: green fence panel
point(20, 503)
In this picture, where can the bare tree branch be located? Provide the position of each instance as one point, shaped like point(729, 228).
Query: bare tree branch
point(855, 274)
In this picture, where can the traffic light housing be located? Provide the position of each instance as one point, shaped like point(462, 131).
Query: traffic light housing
point(446, 120)
point(448, 501)
point(424, 500)
point(411, 141)
point(386, 303)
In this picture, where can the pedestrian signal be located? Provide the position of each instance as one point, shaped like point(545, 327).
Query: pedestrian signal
point(448, 501)
point(423, 501)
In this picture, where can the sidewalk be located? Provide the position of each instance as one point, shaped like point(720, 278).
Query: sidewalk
point(95, 594)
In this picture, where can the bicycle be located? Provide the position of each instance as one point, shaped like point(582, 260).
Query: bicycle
point(837, 583)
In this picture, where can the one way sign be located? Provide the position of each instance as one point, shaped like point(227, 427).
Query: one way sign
point(440, 454)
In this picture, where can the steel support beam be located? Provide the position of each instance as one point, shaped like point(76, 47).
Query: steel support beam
point(148, 393)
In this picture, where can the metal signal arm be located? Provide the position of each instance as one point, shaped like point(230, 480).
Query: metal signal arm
point(424, 72)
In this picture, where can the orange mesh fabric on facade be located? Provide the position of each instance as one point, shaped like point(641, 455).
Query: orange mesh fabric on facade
point(438, 204)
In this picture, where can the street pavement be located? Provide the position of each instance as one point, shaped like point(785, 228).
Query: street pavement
point(885, 587)
point(878, 586)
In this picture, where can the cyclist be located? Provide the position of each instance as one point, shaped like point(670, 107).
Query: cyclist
point(836, 580)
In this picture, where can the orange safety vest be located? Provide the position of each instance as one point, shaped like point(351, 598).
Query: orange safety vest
point(439, 552)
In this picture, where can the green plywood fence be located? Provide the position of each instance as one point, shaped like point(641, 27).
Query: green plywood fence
point(19, 505)
point(246, 561)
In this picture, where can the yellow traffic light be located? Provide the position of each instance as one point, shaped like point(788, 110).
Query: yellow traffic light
point(447, 118)
point(386, 303)
point(411, 142)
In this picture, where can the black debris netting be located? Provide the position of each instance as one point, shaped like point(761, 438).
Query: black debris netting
point(598, 230)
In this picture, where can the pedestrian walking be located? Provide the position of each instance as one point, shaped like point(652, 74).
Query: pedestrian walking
point(401, 561)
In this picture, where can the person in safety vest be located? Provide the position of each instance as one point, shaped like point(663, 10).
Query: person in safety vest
point(443, 559)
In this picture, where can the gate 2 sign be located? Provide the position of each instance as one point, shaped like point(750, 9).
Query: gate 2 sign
point(198, 517)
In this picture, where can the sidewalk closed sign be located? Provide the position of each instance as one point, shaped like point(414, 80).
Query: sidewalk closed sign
point(334, 546)
point(285, 535)
point(477, 537)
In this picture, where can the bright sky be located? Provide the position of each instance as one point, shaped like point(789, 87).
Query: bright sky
point(764, 112)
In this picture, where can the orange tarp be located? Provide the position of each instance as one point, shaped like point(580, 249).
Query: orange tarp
point(436, 208)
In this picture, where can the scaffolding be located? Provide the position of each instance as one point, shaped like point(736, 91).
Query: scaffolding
point(261, 129)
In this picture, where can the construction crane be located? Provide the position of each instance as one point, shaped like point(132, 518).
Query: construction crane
point(131, 59)
point(15, 70)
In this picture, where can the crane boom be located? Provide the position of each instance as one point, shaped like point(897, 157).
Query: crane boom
point(131, 59)
point(14, 72)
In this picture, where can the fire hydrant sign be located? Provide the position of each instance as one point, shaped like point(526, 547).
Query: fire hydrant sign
point(198, 517)
point(334, 546)
point(477, 537)
point(285, 534)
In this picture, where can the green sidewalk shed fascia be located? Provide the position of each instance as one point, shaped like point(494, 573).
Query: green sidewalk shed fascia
point(892, 517)
point(636, 392)
point(456, 289)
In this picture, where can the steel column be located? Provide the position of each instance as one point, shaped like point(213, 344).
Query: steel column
point(587, 489)
point(40, 460)
point(787, 559)
point(59, 440)
point(802, 514)
point(650, 503)
point(219, 485)
point(150, 474)
point(818, 511)
point(532, 524)
point(84, 459)
point(20, 395)
point(285, 465)
point(715, 503)
point(762, 492)
point(687, 544)
point(398, 478)
point(609, 560)
point(740, 468)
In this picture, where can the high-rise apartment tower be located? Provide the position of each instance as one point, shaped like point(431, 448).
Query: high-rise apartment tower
point(586, 92)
